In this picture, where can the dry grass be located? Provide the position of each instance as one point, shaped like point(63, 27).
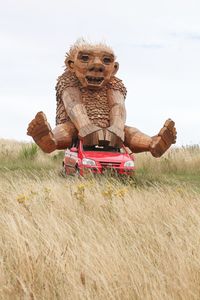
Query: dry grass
point(100, 238)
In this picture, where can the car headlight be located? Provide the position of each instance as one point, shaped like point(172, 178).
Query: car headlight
point(87, 161)
point(129, 163)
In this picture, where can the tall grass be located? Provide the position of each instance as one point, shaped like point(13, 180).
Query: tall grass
point(178, 160)
point(29, 152)
point(27, 157)
point(100, 237)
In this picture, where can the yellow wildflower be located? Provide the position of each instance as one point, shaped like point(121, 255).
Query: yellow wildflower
point(22, 198)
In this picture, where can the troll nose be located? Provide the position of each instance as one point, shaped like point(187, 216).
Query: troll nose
point(96, 66)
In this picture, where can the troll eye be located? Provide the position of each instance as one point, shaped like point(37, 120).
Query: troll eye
point(107, 60)
point(84, 58)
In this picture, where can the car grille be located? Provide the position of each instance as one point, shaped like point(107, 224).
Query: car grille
point(110, 165)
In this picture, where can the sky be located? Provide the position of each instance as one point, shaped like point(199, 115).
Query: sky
point(157, 44)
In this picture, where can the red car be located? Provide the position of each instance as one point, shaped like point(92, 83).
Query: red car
point(96, 159)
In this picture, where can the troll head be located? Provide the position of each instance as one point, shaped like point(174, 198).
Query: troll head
point(93, 65)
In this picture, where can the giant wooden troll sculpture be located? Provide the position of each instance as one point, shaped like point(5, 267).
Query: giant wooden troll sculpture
point(91, 107)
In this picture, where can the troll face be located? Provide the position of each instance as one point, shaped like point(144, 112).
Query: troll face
point(93, 65)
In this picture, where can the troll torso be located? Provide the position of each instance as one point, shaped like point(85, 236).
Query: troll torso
point(95, 101)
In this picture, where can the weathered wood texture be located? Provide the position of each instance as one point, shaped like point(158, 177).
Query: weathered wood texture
point(64, 134)
point(157, 145)
point(91, 110)
point(165, 138)
point(41, 132)
point(136, 140)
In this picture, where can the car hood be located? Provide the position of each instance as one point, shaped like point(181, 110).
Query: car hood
point(106, 156)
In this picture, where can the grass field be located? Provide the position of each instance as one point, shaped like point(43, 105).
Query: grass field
point(99, 237)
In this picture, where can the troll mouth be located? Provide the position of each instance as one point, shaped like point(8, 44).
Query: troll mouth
point(94, 80)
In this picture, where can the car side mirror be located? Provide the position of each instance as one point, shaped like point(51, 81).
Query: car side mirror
point(74, 149)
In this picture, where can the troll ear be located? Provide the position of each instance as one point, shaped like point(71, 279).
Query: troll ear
point(70, 65)
point(116, 68)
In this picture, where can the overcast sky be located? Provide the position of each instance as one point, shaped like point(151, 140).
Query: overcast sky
point(157, 44)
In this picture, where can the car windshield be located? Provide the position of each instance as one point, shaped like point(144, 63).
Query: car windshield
point(103, 149)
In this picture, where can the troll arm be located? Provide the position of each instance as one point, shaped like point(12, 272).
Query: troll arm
point(115, 133)
point(88, 132)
